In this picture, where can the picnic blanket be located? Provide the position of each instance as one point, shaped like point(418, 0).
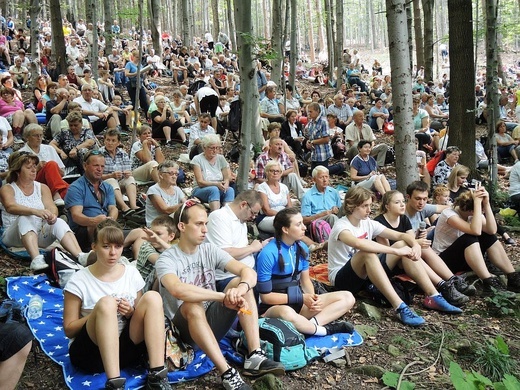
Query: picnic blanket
point(48, 330)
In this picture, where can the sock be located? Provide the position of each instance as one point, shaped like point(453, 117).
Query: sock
point(320, 330)
point(155, 369)
point(253, 352)
point(116, 377)
point(440, 284)
point(453, 277)
point(314, 321)
point(435, 295)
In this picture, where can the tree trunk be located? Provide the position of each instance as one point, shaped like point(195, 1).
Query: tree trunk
point(406, 165)
point(215, 28)
point(372, 29)
point(329, 27)
point(89, 18)
point(462, 80)
point(428, 39)
point(276, 43)
point(410, 35)
point(492, 94)
point(109, 18)
point(267, 17)
point(339, 42)
point(417, 23)
point(35, 9)
point(250, 129)
point(293, 38)
point(94, 52)
point(58, 40)
point(231, 21)
point(312, 50)
point(321, 38)
point(185, 22)
point(156, 27)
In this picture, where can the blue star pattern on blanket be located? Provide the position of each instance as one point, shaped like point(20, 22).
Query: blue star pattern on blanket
point(48, 330)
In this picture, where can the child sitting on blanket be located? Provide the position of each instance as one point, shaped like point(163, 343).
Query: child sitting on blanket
point(110, 322)
point(156, 239)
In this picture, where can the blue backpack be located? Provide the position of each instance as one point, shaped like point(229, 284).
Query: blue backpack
point(282, 343)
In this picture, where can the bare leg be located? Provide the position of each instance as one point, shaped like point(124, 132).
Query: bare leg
point(498, 257)
point(215, 205)
point(167, 133)
point(131, 193)
point(70, 244)
point(473, 257)
point(12, 368)
point(30, 242)
point(436, 263)
point(119, 200)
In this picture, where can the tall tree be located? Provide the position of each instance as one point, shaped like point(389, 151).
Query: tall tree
point(312, 50)
point(427, 6)
point(372, 29)
point(231, 22)
point(250, 129)
point(462, 80)
point(186, 31)
point(154, 11)
point(276, 42)
point(35, 49)
point(417, 24)
point(215, 28)
point(109, 19)
point(329, 27)
point(58, 40)
point(339, 41)
point(406, 165)
point(294, 37)
point(492, 94)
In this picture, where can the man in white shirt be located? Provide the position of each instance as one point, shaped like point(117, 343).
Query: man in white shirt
point(99, 114)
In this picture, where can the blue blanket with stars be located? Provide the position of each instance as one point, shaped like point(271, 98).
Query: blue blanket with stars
point(48, 330)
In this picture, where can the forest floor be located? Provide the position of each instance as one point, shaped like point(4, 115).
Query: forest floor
point(422, 356)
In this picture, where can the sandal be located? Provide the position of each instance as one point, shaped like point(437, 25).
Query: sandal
point(510, 241)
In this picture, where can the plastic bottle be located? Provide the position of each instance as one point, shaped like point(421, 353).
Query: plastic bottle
point(35, 307)
point(422, 228)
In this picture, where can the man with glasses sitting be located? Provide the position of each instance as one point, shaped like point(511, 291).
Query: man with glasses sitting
point(227, 229)
point(201, 314)
point(90, 200)
point(99, 114)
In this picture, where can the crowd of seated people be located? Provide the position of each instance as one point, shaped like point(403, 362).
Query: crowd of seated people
point(79, 109)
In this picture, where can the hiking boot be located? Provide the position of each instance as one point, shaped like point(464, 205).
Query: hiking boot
point(257, 363)
point(493, 285)
point(158, 380)
point(452, 295)
point(408, 316)
point(463, 287)
point(38, 263)
point(339, 327)
point(513, 282)
point(438, 303)
point(231, 380)
point(115, 384)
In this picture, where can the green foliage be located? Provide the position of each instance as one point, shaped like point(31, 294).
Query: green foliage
point(132, 14)
point(475, 381)
point(512, 220)
point(262, 49)
point(499, 198)
point(493, 359)
point(500, 305)
point(3, 286)
point(391, 378)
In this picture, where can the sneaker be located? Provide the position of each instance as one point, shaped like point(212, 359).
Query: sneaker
point(128, 213)
point(408, 316)
point(440, 304)
point(259, 364)
point(339, 327)
point(18, 139)
point(513, 282)
point(464, 287)
point(115, 384)
point(59, 202)
point(493, 285)
point(169, 144)
point(452, 295)
point(83, 258)
point(231, 380)
point(158, 380)
point(38, 263)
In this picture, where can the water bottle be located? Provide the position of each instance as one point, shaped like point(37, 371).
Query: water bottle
point(422, 228)
point(34, 310)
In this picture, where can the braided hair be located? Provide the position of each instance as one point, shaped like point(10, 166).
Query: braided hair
point(281, 220)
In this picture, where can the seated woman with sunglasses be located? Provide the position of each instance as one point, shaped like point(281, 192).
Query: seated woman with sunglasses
point(29, 215)
point(285, 287)
point(212, 174)
point(13, 110)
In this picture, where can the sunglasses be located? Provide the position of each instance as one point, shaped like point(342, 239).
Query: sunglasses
point(186, 205)
point(92, 153)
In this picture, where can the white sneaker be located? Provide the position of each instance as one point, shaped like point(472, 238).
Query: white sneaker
point(38, 263)
point(59, 202)
point(83, 258)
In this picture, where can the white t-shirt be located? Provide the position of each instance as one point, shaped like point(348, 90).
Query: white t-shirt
point(226, 231)
point(341, 253)
point(445, 235)
point(47, 153)
point(276, 201)
point(90, 290)
point(171, 200)
point(197, 269)
point(5, 127)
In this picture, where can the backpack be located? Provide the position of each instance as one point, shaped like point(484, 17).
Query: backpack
point(282, 343)
point(319, 230)
point(390, 155)
point(177, 354)
point(62, 265)
point(234, 116)
point(405, 290)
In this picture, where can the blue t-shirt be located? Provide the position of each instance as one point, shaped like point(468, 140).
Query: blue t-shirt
point(364, 167)
point(81, 193)
point(267, 260)
point(315, 202)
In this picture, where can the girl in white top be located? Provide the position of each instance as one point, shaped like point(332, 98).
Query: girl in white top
point(110, 321)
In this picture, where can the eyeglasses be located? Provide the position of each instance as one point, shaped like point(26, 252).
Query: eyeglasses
point(186, 205)
point(254, 214)
point(37, 135)
point(275, 171)
point(213, 147)
point(173, 173)
point(91, 153)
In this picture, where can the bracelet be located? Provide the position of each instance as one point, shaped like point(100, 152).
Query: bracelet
point(247, 284)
